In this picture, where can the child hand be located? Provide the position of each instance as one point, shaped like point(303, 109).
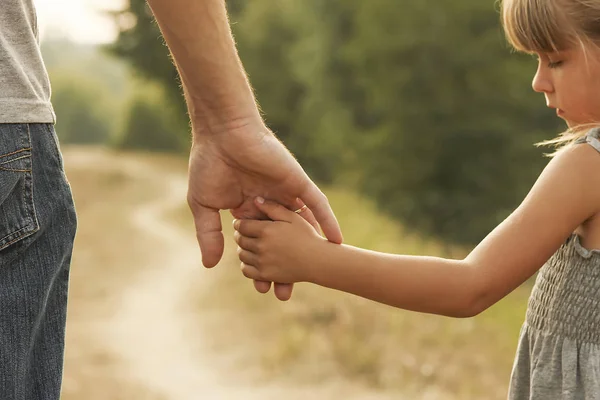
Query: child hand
point(279, 250)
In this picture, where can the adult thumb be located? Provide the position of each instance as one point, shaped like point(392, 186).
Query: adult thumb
point(209, 234)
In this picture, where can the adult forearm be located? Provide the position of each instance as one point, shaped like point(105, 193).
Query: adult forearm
point(424, 284)
point(217, 91)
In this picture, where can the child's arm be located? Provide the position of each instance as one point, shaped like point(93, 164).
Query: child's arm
point(566, 194)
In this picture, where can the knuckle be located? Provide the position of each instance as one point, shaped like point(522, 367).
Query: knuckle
point(268, 230)
point(190, 200)
point(263, 260)
point(261, 230)
point(266, 259)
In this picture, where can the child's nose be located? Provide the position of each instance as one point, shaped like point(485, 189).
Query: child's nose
point(541, 83)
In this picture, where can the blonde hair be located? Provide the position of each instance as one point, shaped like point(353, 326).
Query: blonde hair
point(547, 26)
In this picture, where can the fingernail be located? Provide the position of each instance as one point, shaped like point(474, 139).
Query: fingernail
point(260, 200)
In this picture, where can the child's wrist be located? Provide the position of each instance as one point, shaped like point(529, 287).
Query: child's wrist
point(313, 265)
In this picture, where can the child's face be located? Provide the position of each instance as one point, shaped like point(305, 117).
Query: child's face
point(570, 81)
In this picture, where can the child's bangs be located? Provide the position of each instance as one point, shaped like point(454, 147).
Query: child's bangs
point(533, 25)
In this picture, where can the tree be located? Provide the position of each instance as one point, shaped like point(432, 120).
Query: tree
point(419, 104)
point(150, 123)
point(450, 152)
point(81, 111)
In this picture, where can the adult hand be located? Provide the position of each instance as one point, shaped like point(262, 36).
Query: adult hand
point(229, 169)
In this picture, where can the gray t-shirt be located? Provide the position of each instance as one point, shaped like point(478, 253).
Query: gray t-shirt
point(24, 83)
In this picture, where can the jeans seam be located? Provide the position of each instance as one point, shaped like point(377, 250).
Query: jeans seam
point(15, 152)
point(31, 223)
point(29, 176)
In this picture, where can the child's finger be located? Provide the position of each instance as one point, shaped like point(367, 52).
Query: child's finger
point(250, 227)
point(276, 212)
point(247, 257)
point(245, 242)
point(251, 272)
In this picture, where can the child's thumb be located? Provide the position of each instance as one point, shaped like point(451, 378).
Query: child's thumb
point(274, 211)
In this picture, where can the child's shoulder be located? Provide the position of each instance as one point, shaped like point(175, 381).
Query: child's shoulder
point(584, 151)
point(584, 155)
point(574, 173)
point(577, 168)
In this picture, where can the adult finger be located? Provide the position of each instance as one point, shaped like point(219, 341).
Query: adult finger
point(262, 286)
point(283, 291)
point(307, 214)
point(319, 204)
point(209, 234)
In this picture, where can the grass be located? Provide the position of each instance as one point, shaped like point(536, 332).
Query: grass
point(322, 335)
point(319, 336)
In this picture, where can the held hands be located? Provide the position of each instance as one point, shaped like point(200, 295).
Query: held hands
point(279, 250)
point(228, 169)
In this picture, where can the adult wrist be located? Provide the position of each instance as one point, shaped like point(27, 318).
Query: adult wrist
point(207, 122)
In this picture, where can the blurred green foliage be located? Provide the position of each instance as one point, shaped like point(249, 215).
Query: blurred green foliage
point(99, 100)
point(87, 88)
point(419, 104)
point(80, 104)
point(151, 123)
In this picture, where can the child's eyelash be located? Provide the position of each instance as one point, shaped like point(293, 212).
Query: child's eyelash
point(554, 64)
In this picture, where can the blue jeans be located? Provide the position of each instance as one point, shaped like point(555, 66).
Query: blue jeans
point(37, 229)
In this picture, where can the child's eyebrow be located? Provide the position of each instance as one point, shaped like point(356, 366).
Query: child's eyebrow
point(561, 52)
point(548, 55)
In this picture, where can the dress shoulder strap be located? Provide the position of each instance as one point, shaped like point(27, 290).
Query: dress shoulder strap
point(592, 138)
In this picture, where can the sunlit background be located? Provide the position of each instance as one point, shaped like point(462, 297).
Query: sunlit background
point(82, 21)
point(414, 117)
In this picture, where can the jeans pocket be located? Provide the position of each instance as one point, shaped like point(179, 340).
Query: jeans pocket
point(18, 218)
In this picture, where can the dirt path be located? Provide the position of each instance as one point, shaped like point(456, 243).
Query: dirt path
point(152, 327)
point(152, 333)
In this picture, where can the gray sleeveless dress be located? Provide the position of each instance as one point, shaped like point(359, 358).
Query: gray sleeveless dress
point(558, 356)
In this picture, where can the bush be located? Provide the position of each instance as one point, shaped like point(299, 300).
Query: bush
point(80, 106)
point(152, 123)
